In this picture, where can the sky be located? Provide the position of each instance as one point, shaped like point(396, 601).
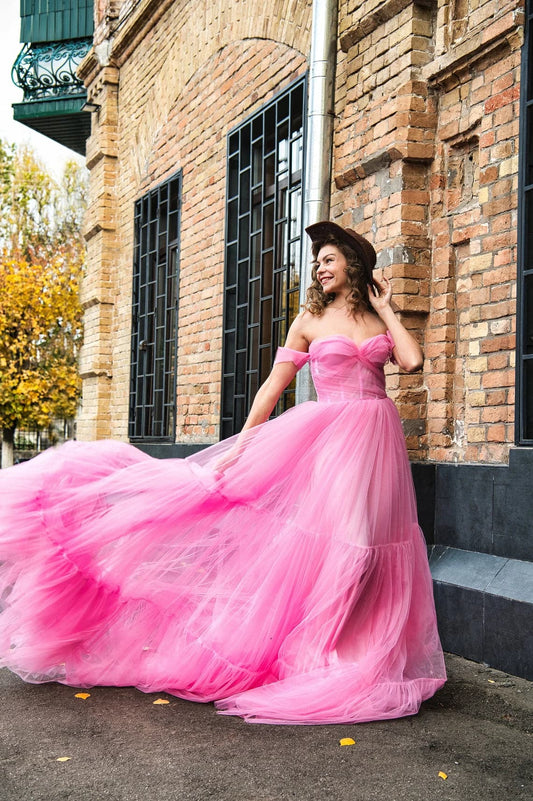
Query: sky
point(53, 155)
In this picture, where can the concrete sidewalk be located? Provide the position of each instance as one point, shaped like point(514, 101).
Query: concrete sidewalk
point(478, 731)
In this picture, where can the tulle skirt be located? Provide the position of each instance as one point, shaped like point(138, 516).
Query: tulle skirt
point(286, 579)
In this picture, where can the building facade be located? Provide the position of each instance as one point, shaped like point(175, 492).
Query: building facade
point(195, 248)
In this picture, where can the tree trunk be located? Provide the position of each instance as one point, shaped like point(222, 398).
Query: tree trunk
point(7, 447)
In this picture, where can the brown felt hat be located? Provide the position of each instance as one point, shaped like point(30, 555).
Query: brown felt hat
point(363, 248)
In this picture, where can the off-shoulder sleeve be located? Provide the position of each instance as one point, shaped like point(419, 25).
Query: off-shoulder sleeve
point(297, 357)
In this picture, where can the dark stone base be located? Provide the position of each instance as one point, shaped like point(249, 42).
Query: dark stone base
point(168, 450)
point(478, 522)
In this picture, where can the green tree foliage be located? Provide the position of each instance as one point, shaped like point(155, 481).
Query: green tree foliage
point(41, 264)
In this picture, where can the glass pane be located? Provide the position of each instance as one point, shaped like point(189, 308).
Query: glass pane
point(255, 261)
point(244, 237)
point(255, 295)
point(282, 200)
point(244, 190)
point(245, 147)
point(269, 177)
point(231, 309)
point(257, 127)
point(173, 226)
point(280, 289)
point(296, 214)
point(297, 102)
point(234, 143)
point(266, 321)
point(281, 246)
point(283, 151)
point(293, 304)
point(257, 162)
point(240, 373)
point(163, 217)
point(268, 260)
point(242, 296)
point(229, 345)
point(174, 193)
point(268, 226)
point(270, 129)
point(253, 348)
point(227, 395)
point(231, 265)
point(257, 197)
point(296, 160)
point(294, 265)
point(232, 215)
point(242, 319)
point(528, 314)
point(283, 108)
point(233, 176)
point(528, 399)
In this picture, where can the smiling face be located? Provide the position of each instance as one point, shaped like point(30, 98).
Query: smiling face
point(331, 267)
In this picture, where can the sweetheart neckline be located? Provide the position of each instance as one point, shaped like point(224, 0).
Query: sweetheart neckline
point(358, 345)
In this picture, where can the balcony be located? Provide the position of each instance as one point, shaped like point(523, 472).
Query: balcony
point(57, 35)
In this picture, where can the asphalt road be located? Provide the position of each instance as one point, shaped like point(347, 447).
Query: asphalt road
point(477, 732)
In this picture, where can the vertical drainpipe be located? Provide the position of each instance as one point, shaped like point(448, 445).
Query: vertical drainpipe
point(319, 144)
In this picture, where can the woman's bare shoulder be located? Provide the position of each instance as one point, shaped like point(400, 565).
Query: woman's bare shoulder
point(298, 337)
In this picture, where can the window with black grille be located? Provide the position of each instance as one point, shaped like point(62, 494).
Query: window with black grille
point(155, 314)
point(524, 416)
point(263, 240)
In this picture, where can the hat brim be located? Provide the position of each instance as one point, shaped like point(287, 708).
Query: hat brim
point(325, 229)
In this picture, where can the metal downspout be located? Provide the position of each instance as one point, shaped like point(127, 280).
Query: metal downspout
point(319, 144)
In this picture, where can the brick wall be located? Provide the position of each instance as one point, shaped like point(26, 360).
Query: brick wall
point(425, 164)
point(184, 75)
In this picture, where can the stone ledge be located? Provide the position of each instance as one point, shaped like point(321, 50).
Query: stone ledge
point(485, 608)
point(369, 23)
point(505, 32)
point(421, 152)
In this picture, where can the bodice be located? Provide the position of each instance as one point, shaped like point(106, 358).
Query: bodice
point(343, 370)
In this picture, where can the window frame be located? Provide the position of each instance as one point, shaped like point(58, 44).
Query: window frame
point(524, 310)
point(155, 307)
point(261, 272)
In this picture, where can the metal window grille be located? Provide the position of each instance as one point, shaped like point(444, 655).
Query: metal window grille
point(263, 241)
point(155, 314)
point(524, 410)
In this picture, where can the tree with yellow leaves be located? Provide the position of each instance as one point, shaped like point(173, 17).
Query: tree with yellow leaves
point(41, 264)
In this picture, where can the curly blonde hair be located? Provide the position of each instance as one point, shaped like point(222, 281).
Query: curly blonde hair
point(358, 280)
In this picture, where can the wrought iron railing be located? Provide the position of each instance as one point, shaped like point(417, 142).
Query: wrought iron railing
point(48, 70)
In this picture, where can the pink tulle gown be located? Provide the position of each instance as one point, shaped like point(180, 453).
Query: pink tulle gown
point(293, 587)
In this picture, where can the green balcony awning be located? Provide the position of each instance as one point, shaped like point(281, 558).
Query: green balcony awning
point(60, 119)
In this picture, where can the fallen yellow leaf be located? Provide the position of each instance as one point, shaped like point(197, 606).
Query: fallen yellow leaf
point(347, 741)
point(82, 695)
point(161, 701)
point(63, 759)
point(491, 681)
point(443, 775)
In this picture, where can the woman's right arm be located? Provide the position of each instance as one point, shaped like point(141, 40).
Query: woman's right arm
point(280, 377)
point(267, 395)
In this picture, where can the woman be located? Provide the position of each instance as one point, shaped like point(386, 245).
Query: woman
point(281, 573)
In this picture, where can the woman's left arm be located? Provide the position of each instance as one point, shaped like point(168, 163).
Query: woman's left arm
point(407, 352)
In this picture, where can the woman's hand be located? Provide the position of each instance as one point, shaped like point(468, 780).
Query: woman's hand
point(380, 295)
point(228, 458)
